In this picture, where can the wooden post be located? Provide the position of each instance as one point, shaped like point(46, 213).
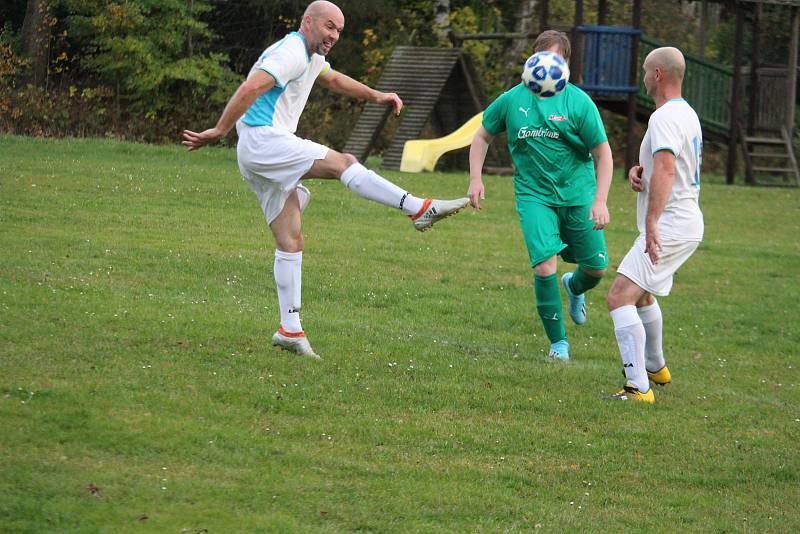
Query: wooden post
point(792, 78)
point(602, 12)
point(576, 63)
point(631, 148)
point(733, 132)
point(703, 29)
point(544, 15)
point(752, 107)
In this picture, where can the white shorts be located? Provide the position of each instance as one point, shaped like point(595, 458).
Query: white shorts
point(656, 279)
point(272, 162)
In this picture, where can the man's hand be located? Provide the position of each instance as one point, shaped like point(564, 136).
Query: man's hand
point(390, 99)
point(635, 178)
point(598, 213)
point(194, 140)
point(475, 192)
point(652, 243)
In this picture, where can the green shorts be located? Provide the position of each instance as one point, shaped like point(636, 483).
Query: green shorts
point(563, 230)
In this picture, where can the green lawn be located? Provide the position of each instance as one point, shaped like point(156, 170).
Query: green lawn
point(139, 391)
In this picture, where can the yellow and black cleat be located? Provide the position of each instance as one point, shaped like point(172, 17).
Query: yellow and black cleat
point(631, 393)
point(662, 377)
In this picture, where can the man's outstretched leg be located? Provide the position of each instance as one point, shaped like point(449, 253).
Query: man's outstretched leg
point(424, 213)
point(288, 278)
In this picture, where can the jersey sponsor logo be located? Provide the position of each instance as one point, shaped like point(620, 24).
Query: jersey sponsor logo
point(524, 133)
point(524, 110)
point(557, 118)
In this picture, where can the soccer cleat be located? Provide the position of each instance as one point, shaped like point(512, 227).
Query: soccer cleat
point(577, 303)
point(296, 342)
point(559, 350)
point(435, 210)
point(662, 377)
point(628, 392)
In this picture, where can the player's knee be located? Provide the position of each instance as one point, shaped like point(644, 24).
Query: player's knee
point(611, 300)
point(292, 242)
point(595, 273)
point(614, 298)
point(647, 300)
point(546, 267)
point(342, 162)
point(349, 159)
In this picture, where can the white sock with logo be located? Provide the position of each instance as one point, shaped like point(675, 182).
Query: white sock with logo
point(653, 327)
point(367, 184)
point(629, 332)
point(288, 271)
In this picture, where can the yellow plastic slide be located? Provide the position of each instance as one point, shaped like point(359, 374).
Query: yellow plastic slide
point(422, 154)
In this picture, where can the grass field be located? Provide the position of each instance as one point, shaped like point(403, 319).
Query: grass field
point(139, 393)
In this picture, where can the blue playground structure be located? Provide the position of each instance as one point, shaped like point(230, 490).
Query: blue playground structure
point(756, 115)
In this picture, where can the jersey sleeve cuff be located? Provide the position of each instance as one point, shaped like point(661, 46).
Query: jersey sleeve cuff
point(668, 148)
point(278, 81)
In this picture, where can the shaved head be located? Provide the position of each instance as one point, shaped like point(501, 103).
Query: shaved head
point(320, 8)
point(669, 60)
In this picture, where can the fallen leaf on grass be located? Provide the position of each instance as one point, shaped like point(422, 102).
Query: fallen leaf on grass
point(94, 490)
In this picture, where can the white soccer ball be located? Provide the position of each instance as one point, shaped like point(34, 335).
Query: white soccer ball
point(545, 73)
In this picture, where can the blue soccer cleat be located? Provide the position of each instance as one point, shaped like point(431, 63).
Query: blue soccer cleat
point(577, 303)
point(559, 350)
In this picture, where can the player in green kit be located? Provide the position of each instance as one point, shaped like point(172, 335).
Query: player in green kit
point(562, 175)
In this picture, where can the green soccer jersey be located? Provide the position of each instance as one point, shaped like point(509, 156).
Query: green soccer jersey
point(550, 140)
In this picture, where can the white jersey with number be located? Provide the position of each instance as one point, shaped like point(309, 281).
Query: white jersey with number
point(674, 127)
point(295, 72)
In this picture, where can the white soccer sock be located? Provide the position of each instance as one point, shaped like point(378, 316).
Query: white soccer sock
point(629, 332)
point(367, 184)
point(653, 349)
point(288, 271)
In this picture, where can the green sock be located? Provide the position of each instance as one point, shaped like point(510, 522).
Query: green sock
point(548, 304)
point(582, 282)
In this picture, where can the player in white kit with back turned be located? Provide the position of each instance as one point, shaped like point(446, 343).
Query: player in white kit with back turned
point(669, 220)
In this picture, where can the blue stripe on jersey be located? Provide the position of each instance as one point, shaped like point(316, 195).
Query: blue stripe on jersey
point(263, 109)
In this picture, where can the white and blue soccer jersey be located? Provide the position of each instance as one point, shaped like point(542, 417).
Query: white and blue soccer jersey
point(294, 72)
point(674, 127)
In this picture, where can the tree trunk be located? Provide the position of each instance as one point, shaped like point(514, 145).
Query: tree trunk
point(36, 39)
point(441, 20)
point(520, 49)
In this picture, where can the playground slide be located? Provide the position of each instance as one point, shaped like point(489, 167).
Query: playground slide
point(422, 154)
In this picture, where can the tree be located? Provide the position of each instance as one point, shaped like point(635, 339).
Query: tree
point(441, 20)
point(520, 49)
point(35, 34)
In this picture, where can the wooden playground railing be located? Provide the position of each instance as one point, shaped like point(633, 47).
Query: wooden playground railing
point(606, 74)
